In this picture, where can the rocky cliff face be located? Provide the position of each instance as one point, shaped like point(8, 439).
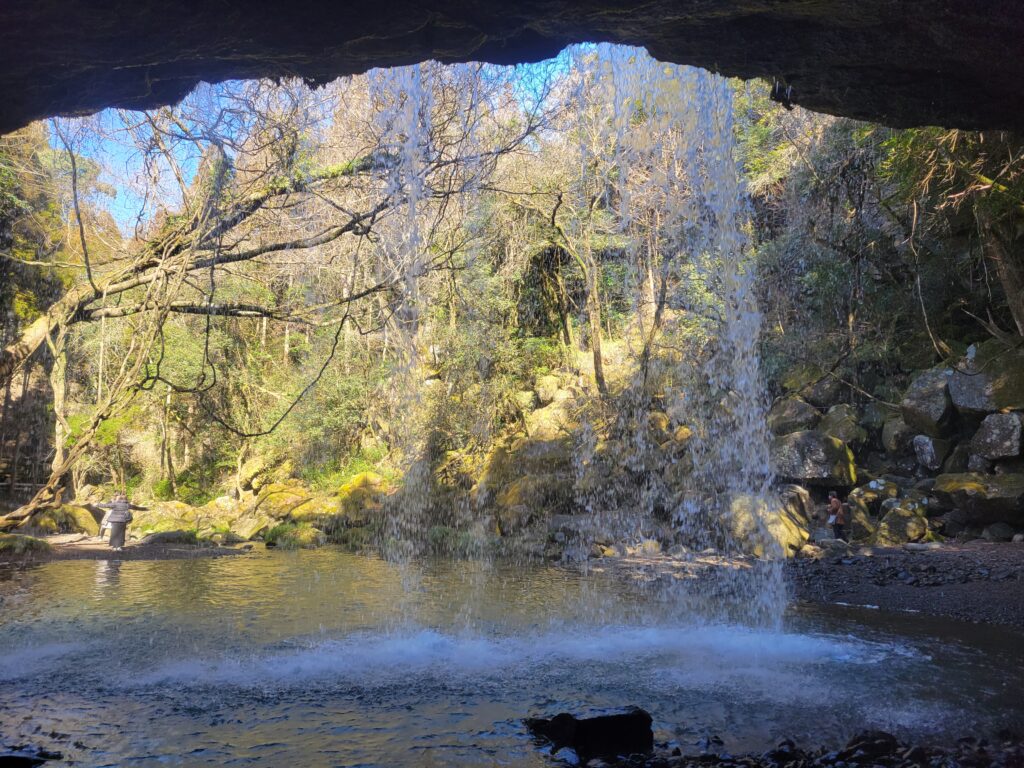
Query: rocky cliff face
point(952, 62)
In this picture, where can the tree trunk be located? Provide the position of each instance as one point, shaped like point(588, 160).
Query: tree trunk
point(58, 384)
point(594, 315)
point(1005, 249)
point(166, 447)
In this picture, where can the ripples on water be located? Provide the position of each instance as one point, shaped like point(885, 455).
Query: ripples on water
point(325, 658)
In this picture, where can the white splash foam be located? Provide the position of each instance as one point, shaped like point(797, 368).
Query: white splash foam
point(706, 656)
point(20, 663)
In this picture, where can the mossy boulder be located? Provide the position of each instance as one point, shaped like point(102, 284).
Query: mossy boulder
point(990, 378)
point(546, 387)
point(69, 518)
point(18, 545)
point(860, 524)
point(167, 516)
point(187, 537)
point(927, 406)
point(765, 529)
point(824, 392)
point(792, 414)
point(811, 458)
point(897, 436)
point(295, 536)
point(900, 526)
point(874, 494)
point(983, 498)
point(526, 400)
point(362, 497)
point(277, 500)
point(873, 418)
point(841, 421)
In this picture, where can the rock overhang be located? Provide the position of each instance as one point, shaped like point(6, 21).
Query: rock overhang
point(958, 63)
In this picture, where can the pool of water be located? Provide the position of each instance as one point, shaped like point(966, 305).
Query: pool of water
point(325, 658)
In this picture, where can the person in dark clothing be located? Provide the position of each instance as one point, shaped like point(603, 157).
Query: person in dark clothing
point(836, 516)
point(117, 519)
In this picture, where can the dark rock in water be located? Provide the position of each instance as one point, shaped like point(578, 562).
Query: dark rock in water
point(869, 745)
point(26, 757)
point(17, 760)
point(628, 733)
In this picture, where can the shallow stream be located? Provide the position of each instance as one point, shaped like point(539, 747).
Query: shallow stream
point(330, 659)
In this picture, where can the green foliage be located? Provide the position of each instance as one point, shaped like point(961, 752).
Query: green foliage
point(540, 355)
point(163, 490)
point(328, 478)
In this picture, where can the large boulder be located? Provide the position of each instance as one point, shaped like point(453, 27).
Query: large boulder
point(899, 526)
point(874, 494)
point(823, 392)
point(998, 532)
point(957, 460)
point(70, 518)
point(546, 387)
point(860, 524)
point(984, 498)
point(764, 527)
point(990, 378)
point(874, 416)
point(841, 421)
point(998, 437)
point(897, 436)
point(927, 407)
point(277, 500)
point(792, 414)
point(604, 736)
point(811, 458)
point(931, 451)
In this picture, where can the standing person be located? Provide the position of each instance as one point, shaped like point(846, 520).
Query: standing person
point(117, 519)
point(836, 516)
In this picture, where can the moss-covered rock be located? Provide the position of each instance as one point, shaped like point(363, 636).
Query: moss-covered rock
point(295, 536)
point(277, 500)
point(69, 518)
point(897, 436)
point(546, 387)
point(927, 406)
point(17, 545)
point(899, 526)
point(983, 498)
point(842, 422)
point(874, 494)
point(187, 537)
point(765, 530)
point(861, 526)
point(792, 414)
point(824, 392)
point(362, 497)
point(811, 458)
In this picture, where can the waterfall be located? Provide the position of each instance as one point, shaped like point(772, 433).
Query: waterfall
point(674, 147)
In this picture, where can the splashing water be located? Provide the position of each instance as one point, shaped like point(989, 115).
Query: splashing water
point(672, 142)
